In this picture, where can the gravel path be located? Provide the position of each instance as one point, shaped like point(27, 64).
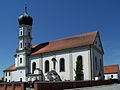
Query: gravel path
point(103, 87)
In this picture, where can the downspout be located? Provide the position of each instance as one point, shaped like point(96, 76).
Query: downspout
point(93, 66)
point(92, 62)
point(42, 75)
point(70, 66)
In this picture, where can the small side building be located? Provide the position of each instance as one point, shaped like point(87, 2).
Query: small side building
point(111, 72)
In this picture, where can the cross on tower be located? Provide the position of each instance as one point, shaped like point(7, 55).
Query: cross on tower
point(25, 8)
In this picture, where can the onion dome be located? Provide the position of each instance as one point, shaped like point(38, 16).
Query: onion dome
point(25, 19)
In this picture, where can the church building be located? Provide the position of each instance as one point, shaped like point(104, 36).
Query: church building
point(55, 60)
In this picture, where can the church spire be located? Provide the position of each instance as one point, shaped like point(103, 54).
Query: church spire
point(25, 18)
point(26, 8)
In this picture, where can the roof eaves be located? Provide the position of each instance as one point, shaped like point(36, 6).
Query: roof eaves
point(59, 50)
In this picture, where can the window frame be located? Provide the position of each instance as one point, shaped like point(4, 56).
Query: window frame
point(54, 63)
point(21, 45)
point(20, 60)
point(21, 33)
point(80, 60)
point(62, 65)
point(47, 66)
point(33, 67)
point(9, 73)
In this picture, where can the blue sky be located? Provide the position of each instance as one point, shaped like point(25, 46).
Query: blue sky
point(55, 19)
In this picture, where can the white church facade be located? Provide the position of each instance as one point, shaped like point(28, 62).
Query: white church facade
point(55, 58)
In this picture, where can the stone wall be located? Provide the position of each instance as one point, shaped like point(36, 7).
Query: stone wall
point(54, 85)
point(12, 86)
point(69, 85)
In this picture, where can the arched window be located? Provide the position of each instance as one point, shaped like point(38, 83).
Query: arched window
point(79, 68)
point(21, 45)
point(62, 65)
point(46, 66)
point(79, 58)
point(21, 33)
point(6, 79)
point(54, 63)
point(33, 67)
point(20, 60)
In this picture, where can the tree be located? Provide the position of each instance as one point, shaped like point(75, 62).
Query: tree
point(79, 69)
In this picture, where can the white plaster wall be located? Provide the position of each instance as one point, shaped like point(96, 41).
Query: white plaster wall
point(22, 55)
point(20, 41)
point(20, 29)
point(25, 40)
point(86, 62)
point(38, 62)
point(99, 56)
point(99, 60)
point(69, 73)
point(24, 30)
point(16, 75)
point(58, 55)
point(7, 77)
point(70, 56)
point(108, 76)
point(97, 43)
point(64, 75)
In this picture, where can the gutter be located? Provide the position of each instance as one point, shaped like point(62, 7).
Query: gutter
point(92, 63)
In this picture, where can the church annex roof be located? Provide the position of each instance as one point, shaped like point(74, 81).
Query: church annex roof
point(11, 68)
point(111, 69)
point(65, 43)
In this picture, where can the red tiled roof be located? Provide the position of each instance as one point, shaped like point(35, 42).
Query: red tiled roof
point(111, 69)
point(65, 43)
point(11, 68)
point(70, 42)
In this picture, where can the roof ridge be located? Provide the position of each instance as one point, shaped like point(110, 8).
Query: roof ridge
point(83, 34)
point(112, 65)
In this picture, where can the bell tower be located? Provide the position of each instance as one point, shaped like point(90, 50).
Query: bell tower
point(25, 28)
point(24, 39)
point(24, 46)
